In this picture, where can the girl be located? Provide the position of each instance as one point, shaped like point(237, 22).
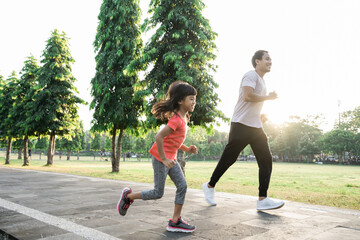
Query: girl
point(180, 100)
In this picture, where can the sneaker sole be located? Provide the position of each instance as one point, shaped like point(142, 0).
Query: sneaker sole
point(118, 205)
point(211, 204)
point(280, 206)
point(171, 229)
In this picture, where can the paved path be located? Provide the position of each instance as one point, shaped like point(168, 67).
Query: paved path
point(41, 205)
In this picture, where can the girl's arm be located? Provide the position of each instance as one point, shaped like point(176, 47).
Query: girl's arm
point(191, 149)
point(159, 139)
point(184, 148)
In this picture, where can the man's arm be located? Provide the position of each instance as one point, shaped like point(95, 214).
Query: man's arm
point(250, 96)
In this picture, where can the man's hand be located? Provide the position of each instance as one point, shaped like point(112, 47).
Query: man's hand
point(263, 118)
point(272, 95)
point(192, 149)
point(168, 162)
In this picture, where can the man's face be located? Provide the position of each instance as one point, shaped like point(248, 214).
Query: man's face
point(265, 63)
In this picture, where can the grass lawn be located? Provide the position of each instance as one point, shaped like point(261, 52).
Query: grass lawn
point(329, 185)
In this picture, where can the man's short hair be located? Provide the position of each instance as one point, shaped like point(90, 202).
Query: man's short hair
point(258, 55)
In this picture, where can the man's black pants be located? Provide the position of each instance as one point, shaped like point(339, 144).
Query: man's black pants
point(239, 137)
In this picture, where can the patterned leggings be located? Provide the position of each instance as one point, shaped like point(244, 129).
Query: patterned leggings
point(160, 174)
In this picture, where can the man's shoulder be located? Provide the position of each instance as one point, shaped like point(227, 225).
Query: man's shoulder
point(251, 74)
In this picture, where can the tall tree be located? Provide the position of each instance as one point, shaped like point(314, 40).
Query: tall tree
point(24, 97)
point(7, 99)
point(55, 109)
point(117, 43)
point(182, 48)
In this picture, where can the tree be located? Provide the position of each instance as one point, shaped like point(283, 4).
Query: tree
point(356, 145)
point(214, 149)
point(55, 109)
point(96, 144)
point(88, 138)
point(60, 142)
point(18, 145)
point(181, 49)
point(350, 120)
point(2, 111)
point(7, 99)
point(24, 97)
point(78, 140)
point(73, 141)
point(117, 43)
point(198, 137)
point(41, 144)
point(338, 141)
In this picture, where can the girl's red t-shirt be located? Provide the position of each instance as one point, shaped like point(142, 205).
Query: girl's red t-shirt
point(174, 140)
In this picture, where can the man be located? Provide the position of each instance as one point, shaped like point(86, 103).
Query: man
point(246, 128)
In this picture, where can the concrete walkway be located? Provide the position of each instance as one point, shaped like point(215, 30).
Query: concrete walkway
point(41, 205)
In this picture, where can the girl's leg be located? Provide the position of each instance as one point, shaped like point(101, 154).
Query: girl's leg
point(127, 196)
point(133, 196)
point(177, 212)
point(178, 178)
point(160, 174)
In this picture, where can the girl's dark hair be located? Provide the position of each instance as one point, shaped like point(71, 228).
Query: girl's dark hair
point(257, 55)
point(178, 90)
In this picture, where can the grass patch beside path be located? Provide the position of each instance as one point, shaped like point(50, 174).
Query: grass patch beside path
point(328, 185)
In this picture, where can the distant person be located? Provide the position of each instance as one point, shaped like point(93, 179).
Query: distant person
point(180, 100)
point(246, 128)
point(29, 151)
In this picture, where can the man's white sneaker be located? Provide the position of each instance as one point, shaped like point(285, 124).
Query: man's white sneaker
point(268, 204)
point(209, 194)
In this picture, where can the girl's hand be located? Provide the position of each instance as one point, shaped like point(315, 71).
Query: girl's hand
point(168, 162)
point(192, 149)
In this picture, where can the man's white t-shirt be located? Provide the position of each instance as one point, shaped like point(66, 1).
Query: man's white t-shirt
point(248, 113)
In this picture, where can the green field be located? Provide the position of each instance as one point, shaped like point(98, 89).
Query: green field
point(330, 185)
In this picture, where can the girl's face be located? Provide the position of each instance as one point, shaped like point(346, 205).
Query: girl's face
point(188, 103)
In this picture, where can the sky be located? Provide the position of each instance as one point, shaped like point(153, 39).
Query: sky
point(314, 46)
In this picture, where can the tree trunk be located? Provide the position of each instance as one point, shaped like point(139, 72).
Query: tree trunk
point(26, 156)
point(51, 150)
point(60, 154)
point(20, 153)
point(113, 142)
point(68, 154)
point(181, 160)
point(40, 154)
point(116, 164)
point(78, 155)
point(8, 151)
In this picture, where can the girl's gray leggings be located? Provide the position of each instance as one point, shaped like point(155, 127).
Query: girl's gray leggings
point(160, 174)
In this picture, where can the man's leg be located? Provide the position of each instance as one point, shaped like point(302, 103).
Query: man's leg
point(238, 139)
point(263, 155)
